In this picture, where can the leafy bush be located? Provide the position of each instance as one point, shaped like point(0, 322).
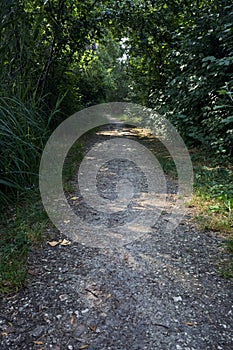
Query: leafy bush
point(199, 92)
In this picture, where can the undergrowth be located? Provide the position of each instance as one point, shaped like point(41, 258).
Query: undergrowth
point(22, 227)
point(25, 226)
point(213, 194)
point(213, 199)
point(24, 130)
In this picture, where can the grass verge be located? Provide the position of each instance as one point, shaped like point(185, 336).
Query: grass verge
point(213, 200)
point(21, 228)
point(24, 226)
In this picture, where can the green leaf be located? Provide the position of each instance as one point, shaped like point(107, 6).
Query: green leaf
point(209, 58)
point(8, 183)
point(228, 120)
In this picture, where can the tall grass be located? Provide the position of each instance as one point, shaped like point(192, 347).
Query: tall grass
point(24, 130)
point(23, 133)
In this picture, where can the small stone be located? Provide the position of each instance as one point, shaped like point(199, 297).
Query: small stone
point(84, 311)
point(70, 347)
point(79, 331)
point(176, 299)
point(63, 297)
point(37, 332)
point(178, 347)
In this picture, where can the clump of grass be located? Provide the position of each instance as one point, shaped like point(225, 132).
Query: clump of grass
point(213, 201)
point(229, 245)
point(13, 259)
point(21, 228)
point(24, 130)
point(214, 197)
point(227, 269)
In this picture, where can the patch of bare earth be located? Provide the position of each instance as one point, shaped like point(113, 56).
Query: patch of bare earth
point(161, 291)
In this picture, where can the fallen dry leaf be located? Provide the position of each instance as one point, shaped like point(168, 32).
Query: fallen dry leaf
point(126, 257)
point(72, 319)
point(83, 347)
point(53, 243)
point(73, 198)
point(190, 324)
point(65, 242)
point(38, 342)
point(33, 272)
point(4, 334)
point(93, 328)
point(108, 296)
point(62, 242)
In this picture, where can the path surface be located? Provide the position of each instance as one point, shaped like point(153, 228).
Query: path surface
point(162, 292)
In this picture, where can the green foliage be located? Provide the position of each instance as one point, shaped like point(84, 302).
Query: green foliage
point(213, 195)
point(13, 257)
point(199, 89)
point(21, 227)
point(40, 40)
point(229, 244)
point(23, 133)
point(172, 55)
point(199, 93)
point(100, 73)
point(180, 59)
point(227, 269)
point(216, 183)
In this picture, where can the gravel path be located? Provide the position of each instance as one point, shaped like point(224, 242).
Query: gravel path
point(162, 292)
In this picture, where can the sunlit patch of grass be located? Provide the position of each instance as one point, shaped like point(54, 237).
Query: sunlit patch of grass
point(209, 215)
point(212, 202)
point(213, 196)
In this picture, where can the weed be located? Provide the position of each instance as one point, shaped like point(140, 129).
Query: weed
point(24, 130)
point(13, 257)
point(21, 228)
point(213, 200)
point(214, 197)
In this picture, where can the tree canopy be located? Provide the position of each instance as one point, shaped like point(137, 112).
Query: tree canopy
point(59, 56)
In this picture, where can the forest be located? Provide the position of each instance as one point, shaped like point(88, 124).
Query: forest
point(58, 57)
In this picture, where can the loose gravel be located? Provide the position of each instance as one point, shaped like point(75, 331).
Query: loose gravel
point(162, 291)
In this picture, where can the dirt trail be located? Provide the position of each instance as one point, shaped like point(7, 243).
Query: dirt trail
point(158, 292)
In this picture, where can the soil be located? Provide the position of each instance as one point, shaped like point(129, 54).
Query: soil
point(160, 291)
